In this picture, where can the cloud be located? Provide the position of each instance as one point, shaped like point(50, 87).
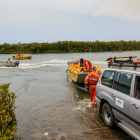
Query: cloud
point(64, 13)
point(123, 9)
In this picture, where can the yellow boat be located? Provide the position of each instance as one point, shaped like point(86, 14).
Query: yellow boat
point(22, 57)
point(75, 72)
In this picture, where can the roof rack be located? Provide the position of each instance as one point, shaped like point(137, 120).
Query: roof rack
point(121, 62)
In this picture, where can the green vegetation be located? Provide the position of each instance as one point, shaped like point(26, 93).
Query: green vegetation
point(69, 47)
point(8, 121)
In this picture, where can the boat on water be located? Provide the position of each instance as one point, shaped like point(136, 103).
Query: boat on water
point(21, 56)
point(12, 64)
point(77, 72)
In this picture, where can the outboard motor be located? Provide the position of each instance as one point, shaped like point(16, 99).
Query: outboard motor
point(16, 63)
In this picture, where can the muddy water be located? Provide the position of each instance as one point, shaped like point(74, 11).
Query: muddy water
point(49, 106)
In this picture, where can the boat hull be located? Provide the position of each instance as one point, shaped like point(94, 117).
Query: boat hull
point(22, 57)
point(77, 77)
point(5, 64)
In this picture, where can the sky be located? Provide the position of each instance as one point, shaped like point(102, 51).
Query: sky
point(29, 21)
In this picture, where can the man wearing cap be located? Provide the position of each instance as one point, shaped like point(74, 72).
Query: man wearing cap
point(91, 80)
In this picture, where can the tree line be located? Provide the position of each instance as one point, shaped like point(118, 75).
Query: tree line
point(69, 47)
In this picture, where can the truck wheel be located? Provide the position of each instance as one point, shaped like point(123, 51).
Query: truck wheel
point(108, 116)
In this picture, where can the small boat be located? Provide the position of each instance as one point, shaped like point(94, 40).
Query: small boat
point(76, 72)
point(6, 64)
point(21, 57)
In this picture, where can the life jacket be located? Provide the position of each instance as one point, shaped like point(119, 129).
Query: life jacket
point(90, 66)
point(84, 62)
point(92, 78)
point(87, 66)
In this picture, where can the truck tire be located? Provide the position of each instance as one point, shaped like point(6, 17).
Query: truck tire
point(108, 116)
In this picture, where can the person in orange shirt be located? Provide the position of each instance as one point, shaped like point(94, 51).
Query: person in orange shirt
point(91, 80)
point(88, 65)
point(83, 62)
point(19, 54)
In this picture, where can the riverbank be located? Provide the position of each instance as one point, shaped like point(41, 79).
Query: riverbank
point(69, 47)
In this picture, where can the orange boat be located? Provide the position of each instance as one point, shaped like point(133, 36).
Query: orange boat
point(21, 57)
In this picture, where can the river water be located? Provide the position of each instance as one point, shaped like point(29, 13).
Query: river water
point(49, 106)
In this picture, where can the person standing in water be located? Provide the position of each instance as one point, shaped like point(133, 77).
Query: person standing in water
point(91, 80)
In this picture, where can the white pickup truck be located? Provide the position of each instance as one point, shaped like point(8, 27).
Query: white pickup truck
point(118, 99)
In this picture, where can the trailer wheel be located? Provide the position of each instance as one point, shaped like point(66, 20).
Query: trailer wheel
point(108, 116)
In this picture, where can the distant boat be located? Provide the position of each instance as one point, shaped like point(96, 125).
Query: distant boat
point(12, 64)
point(21, 57)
